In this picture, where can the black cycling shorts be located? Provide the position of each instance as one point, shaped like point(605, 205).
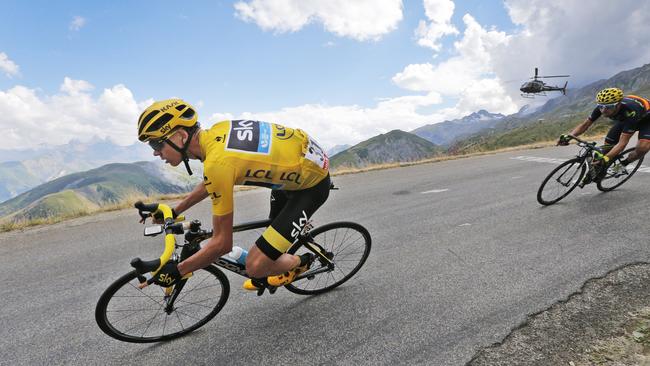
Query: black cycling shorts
point(290, 211)
point(614, 133)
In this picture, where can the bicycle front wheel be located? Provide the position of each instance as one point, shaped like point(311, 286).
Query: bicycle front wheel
point(347, 244)
point(130, 314)
point(561, 181)
point(618, 174)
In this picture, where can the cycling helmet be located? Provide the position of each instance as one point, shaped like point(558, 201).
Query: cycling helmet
point(609, 96)
point(160, 119)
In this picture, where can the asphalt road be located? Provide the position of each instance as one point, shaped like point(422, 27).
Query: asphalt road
point(462, 253)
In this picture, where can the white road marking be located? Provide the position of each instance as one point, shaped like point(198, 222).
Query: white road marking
point(517, 177)
point(435, 191)
point(465, 224)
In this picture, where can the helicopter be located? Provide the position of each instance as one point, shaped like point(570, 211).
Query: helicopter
point(536, 86)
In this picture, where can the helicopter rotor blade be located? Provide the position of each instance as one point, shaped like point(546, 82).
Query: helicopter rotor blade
point(555, 76)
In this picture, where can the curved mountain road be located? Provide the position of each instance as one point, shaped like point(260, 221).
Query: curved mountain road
point(462, 253)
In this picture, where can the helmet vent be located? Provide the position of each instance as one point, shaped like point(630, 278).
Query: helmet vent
point(147, 119)
point(188, 114)
point(160, 122)
point(180, 107)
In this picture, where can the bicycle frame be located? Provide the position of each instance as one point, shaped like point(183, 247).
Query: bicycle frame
point(586, 154)
point(194, 237)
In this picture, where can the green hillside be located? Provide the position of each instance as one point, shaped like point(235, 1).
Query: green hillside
point(557, 116)
point(86, 191)
point(394, 146)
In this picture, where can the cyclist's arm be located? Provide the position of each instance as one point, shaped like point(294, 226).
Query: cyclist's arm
point(198, 194)
point(219, 244)
point(582, 127)
point(620, 146)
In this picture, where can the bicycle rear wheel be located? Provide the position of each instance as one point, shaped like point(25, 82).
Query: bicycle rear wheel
point(561, 181)
point(130, 314)
point(347, 244)
point(618, 174)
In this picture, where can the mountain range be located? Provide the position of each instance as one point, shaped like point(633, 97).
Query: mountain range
point(446, 132)
point(21, 170)
point(394, 146)
point(89, 190)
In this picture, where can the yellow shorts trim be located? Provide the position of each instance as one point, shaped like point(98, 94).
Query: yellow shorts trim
point(276, 240)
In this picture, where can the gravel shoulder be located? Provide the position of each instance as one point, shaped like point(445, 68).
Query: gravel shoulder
point(607, 322)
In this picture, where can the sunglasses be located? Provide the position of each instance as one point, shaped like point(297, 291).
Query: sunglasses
point(157, 145)
point(603, 107)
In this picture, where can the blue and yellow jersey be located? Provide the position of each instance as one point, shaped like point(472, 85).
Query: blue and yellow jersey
point(243, 152)
point(633, 109)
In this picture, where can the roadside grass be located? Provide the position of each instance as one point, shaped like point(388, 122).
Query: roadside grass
point(630, 347)
point(6, 224)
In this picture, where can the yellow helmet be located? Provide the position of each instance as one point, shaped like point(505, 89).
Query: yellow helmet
point(609, 96)
point(162, 118)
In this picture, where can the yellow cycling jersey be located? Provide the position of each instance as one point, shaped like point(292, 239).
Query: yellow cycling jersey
point(243, 152)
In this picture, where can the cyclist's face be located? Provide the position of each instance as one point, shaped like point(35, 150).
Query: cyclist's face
point(609, 110)
point(166, 152)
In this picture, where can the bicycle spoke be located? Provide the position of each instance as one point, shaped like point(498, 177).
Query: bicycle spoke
point(145, 294)
point(141, 315)
point(188, 303)
point(180, 321)
point(348, 247)
point(185, 293)
point(561, 181)
point(617, 174)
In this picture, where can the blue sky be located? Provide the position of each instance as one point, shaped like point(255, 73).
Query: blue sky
point(344, 71)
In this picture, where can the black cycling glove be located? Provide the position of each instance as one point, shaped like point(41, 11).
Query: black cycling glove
point(563, 140)
point(168, 275)
point(158, 215)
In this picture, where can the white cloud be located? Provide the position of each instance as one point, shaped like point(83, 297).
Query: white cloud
point(589, 40)
point(77, 23)
point(350, 124)
point(359, 19)
point(9, 67)
point(467, 76)
point(439, 13)
point(75, 87)
point(73, 113)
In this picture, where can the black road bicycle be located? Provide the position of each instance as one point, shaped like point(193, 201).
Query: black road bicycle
point(579, 171)
point(129, 313)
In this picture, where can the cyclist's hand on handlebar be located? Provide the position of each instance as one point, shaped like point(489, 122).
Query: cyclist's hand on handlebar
point(563, 140)
point(167, 276)
point(158, 218)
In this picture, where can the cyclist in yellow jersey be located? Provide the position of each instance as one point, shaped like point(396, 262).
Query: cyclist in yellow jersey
point(242, 152)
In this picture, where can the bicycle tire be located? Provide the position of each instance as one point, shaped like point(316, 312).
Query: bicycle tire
point(128, 307)
point(602, 184)
point(343, 252)
point(571, 185)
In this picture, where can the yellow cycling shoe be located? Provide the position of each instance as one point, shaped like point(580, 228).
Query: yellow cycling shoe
point(288, 277)
point(249, 285)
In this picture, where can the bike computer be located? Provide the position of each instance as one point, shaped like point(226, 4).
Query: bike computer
point(153, 230)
